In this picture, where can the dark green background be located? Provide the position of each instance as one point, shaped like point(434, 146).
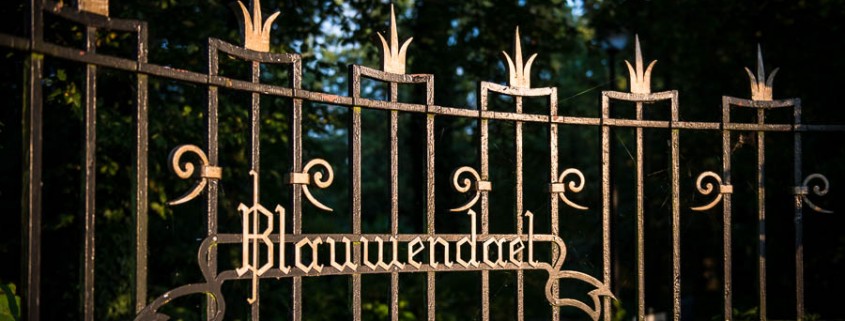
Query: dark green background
point(701, 45)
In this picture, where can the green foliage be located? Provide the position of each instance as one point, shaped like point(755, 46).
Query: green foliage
point(10, 302)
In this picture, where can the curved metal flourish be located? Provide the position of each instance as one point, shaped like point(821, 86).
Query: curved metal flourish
point(556, 274)
point(318, 180)
point(601, 290)
point(463, 186)
point(708, 189)
point(820, 190)
point(211, 288)
point(559, 187)
point(186, 170)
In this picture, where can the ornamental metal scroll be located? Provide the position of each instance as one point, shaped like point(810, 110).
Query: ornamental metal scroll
point(820, 190)
point(187, 170)
point(708, 189)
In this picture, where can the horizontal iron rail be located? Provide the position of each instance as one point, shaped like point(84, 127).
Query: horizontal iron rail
point(155, 70)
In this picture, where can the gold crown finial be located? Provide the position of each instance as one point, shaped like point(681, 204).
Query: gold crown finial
point(640, 80)
point(256, 34)
point(761, 88)
point(100, 7)
point(520, 75)
point(393, 57)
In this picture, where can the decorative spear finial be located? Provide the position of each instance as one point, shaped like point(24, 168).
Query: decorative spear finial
point(256, 34)
point(640, 81)
point(761, 88)
point(520, 76)
point(100, 7)
point(393, 57)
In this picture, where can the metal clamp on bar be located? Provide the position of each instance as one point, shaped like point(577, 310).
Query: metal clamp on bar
point(726, 189)
point(557, 188)
point(800, 190)
point(482, 186)
point(211, 172)
point(298, 178)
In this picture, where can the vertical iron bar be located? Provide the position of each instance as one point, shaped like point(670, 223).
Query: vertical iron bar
point(676, 214)
point(485, 202)
point(141, 174)
point(429, 215)
point(605, 199)
point(213, 153)
point(520, 276)
point(640, 221)
point(255, 161)
point(90, 185)
point(32, 133)
point(761, 210)
point(726, 209)
point(32, 160)
point(355, 179)
point(141, 201)
point(394, 196)
point(799, 218)
point(554, 201)
point(296, 189)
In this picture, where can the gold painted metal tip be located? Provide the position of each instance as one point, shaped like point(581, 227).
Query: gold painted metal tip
point(640, 79)
point(393, 57)
point(100, 7)
point(761, 87)
point(256, 33)
point(520, 75)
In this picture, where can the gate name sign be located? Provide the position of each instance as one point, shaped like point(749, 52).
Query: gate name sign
point(266, 250)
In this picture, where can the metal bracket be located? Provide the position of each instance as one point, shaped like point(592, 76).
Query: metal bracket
point(483, 186)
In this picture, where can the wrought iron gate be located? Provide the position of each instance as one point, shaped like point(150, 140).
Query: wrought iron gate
point(271, 251)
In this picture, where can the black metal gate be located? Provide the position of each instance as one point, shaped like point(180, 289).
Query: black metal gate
point(273, 250)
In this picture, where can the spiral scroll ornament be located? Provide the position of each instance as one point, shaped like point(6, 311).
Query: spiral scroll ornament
point(306, 179)
point(819, 190)
point(560, 187)
point(186, 170)
point(464, 186)
point(708, 189)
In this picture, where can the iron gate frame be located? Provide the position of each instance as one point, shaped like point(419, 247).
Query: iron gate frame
point(93, 14)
